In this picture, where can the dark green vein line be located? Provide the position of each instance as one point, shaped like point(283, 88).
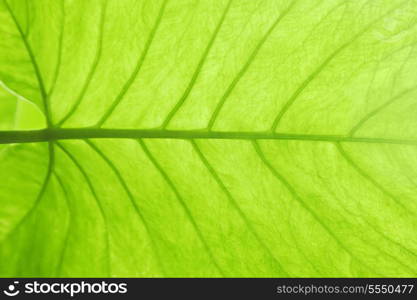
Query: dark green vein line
point(91, 72)
point(59, 58)
point(392, 98)
point(323, 66)
point(46, 181)
point(67, 234)
point(236, 206)
point(34, 64)
point(183, 204)
point(52, 134)
point(360, 171)
point(303, 204)
point(372, 227)
point(377, 110)
point(133, 202)
point(99, 205)
point(137, 69)
point(197, 71)
point(27, 17)
point(246, 66)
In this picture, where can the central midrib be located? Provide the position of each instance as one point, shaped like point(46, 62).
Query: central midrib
point(46, 135)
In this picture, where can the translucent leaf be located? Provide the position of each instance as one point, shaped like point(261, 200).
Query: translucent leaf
point(243, 138)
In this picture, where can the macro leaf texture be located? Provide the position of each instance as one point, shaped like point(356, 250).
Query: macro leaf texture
point(211, 138)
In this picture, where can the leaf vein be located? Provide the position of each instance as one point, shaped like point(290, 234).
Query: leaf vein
point(67, 234)
point(137, 69)
point(323, 66)
point(96, 198)
point(246, 66)
point(236, 206)
point(32, 58)
point(182, 203)
point(46, 181)
point(142, 218)
point(92, 70)
point(303, 204)
point(197, 71)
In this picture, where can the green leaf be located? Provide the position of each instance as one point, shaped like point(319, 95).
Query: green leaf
point(18, 113)
point(244, 138)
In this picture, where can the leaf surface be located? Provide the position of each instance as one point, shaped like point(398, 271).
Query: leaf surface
point(208, 138)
